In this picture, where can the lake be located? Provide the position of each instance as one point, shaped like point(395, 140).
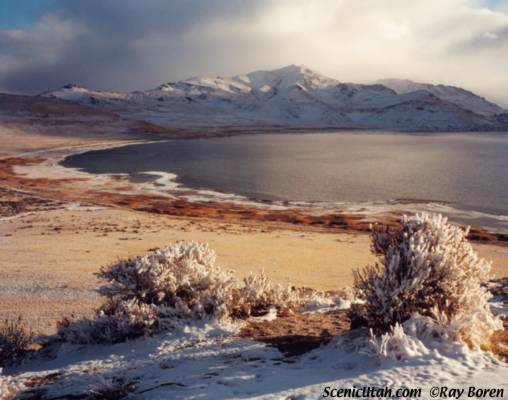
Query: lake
point(467, 170)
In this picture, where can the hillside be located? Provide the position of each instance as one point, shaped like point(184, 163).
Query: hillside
point(458, 96)
point(297, 97)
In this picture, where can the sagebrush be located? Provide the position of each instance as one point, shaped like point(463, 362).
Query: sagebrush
point(257, 294)
point(110, 389)
point(428, 269)
point(155, 292)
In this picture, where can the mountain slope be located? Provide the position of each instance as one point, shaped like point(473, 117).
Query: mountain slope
point(460, 97)
point(297, 97)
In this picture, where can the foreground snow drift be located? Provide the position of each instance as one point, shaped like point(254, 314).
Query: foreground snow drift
point(418, 323)
point(207, 362)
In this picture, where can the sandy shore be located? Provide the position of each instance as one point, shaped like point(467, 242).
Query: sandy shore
point(49, 257)
point(58, 228)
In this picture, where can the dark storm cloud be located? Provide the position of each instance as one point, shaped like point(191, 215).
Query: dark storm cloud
point(108, 43)
point(139, 44)
point(132, 18)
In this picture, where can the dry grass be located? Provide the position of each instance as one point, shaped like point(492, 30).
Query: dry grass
point(498, 344)
point(15, 340)
point(111, 389)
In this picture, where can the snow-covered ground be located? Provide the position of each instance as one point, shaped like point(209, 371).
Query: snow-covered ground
point(297, 97)
point(207, 362)
point(211, 359)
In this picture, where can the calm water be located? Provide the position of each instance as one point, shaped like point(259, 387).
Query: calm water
point(468, 170)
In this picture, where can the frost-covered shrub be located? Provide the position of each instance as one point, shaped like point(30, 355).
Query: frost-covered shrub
point(181, 280)
point(111, 389)
point(159, 290)
point(415, 336)
point(428, 268)
point(115, 321)
point(151, 293)
point(257, 294)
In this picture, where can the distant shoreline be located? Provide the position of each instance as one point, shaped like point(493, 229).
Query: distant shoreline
point(58, 183)
point(163, 183)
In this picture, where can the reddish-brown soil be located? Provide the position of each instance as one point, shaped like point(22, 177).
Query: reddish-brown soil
point(298, 333)
point(13, 203)
point(9, 178)
point(74, 189)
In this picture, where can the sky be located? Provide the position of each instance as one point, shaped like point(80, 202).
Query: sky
point(136, 45)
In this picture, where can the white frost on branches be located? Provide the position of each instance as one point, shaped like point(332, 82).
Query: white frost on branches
point(428, 273)
point(159, 290)
point(180, 280)
point(397, 345)
point(257, 295)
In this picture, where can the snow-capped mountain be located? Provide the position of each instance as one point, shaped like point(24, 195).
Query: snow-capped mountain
point(461, 97)
point(297, 97)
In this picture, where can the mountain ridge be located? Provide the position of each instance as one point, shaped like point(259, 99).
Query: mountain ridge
point(448, 92)
point(297, 96)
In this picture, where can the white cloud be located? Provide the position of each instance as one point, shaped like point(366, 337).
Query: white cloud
point(490, 35)
point(447, 41)
point(45, 43)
